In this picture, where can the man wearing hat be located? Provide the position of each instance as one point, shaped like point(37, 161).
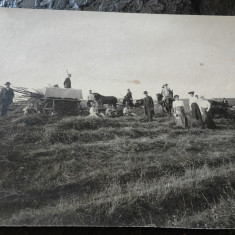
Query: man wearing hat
point(167, 94)
point(193, 105)
point(6, 97)
point(148, 106)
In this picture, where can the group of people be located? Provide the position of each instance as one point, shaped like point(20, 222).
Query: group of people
point(199, 107)
point(119, 110)
point(200, 111)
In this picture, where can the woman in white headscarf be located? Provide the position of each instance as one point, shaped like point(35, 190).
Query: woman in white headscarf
point(207, 119)
point(94, 110)
point(179, 113)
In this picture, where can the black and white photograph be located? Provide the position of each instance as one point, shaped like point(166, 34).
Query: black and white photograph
point(116, 119)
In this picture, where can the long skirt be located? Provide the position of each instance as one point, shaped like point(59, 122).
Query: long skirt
point(207, 119)
point(180, 118)
point(196, 112)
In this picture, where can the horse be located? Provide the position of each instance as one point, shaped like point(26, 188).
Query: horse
point(110, 100)
point(165, 104)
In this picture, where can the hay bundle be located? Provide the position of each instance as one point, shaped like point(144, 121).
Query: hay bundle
point(26, 93)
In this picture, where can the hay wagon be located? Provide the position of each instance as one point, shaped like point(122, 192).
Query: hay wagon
point(60, 101)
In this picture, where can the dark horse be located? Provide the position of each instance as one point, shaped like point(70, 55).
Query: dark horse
point(110, 100)
point(165, 104)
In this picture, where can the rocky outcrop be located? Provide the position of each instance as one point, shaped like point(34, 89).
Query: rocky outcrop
point(205, 7)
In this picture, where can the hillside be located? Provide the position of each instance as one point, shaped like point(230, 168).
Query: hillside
point(115, 172)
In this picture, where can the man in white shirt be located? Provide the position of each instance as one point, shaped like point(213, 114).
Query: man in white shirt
point(207, 119)
point(204, 104)
point(90, 98)
point(166, 92)
point(193, 105)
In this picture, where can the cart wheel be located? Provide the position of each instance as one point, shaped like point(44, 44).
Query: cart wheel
point(48, 109)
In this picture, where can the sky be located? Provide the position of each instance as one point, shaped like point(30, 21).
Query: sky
point(111, 52)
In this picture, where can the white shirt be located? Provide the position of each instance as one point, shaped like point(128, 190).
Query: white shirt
point(204, 104)
point(126, 110)
point(178, 103)
point(93, 110)
point(90, 97)
point(166, 91)
point(192, 100)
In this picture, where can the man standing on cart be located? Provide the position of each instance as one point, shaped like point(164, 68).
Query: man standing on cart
point(67, 81)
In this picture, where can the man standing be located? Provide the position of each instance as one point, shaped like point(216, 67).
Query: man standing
point(67, 81)
point(6, 98)
point(128, 99)
point(90, 98)
point(148, 106)
point(193, 105)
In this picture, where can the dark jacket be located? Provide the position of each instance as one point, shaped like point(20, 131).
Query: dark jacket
point(6, 95)
point(128, 96)
point(67, 83)
point(148, 105)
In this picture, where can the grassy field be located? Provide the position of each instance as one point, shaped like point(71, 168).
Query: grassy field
point(116, 172)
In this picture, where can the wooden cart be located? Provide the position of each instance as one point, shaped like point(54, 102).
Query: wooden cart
point(60, 101)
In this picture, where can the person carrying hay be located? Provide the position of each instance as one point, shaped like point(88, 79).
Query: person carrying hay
point(179, 113)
